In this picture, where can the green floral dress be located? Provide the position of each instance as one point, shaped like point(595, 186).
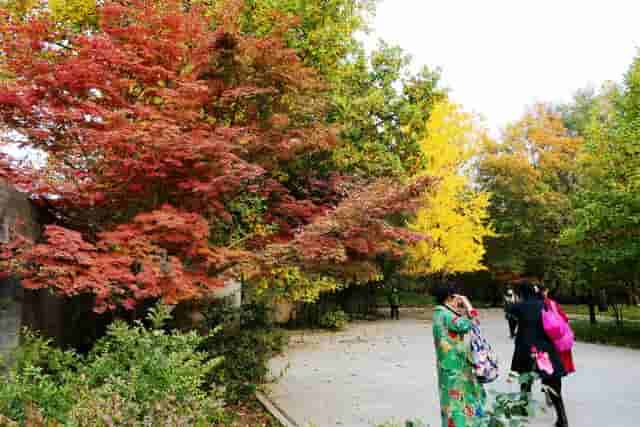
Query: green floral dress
point(462, 398)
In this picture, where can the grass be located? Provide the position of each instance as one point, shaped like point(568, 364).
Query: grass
point(607, 332)
point(408, 298)
point(629, 312)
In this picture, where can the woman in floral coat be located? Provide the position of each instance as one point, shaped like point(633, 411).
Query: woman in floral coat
point(462, 397)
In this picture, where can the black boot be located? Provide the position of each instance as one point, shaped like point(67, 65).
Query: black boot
point(560, 410)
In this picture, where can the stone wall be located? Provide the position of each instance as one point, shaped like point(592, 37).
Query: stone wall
point(14, 206)
point(10, 314)
point(14, 209)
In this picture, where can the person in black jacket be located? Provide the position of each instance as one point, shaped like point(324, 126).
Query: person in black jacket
point(531, 334)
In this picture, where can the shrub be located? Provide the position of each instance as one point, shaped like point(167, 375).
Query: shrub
point(134, 375)
point(627, 335)
point(146, 365)
point(245, 341)
point(36, 351)
point(223, 315)
point(512, 409)
point(40, 376)
point(114, 410)
point(407, 298)
point(336, 320)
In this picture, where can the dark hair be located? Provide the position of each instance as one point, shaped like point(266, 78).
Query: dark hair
point(442, 292)
point(526, 290)
point(546, 288)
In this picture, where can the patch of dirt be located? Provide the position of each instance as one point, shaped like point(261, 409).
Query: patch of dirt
point(249, 414)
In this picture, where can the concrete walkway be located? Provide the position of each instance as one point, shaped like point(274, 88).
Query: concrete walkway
point(377, 371)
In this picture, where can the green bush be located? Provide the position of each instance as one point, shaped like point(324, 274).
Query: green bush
point(336, 320)
point(35, 351)
point(221, 314)
point(146, 365)
point(41, 375)
point(627, 335)
point(245, 341)
point(134, 373)
point(407, 298)
point(139, 375)
point(629, 312)
point(512, 409)
point(114, 410)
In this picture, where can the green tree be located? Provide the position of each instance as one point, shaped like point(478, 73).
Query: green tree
point(383, 108)
point(531, 174)
point(377, 104)
point(321, 31)
point(607, 207)
point(588, 107)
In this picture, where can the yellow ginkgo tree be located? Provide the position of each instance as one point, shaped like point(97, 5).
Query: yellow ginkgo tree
point(454, 215)
point(74, 12)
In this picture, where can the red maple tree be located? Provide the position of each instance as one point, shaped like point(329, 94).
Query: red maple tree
point(151, 125)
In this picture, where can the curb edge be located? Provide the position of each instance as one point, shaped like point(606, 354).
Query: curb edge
point(275, 410)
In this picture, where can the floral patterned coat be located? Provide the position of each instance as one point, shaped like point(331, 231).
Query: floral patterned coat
point(462, 397)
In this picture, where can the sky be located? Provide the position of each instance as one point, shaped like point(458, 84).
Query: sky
point(499, 56)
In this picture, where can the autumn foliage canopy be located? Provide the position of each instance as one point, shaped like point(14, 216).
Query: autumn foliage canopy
point(150, 126)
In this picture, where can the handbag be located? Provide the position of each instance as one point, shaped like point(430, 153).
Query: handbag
point(483, 358)
point(543, 362)
point(556, 328)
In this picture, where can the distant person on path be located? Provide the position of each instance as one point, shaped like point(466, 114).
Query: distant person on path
point(393, 296)
point(462, 397)
point(531, 335)
point(510, 300)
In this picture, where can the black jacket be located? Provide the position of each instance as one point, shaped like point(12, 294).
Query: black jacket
point(528, 314)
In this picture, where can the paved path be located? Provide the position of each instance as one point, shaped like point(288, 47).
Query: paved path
point(376, 371)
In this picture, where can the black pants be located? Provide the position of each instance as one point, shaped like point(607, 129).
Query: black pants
point(512, 326)
point(555, 384)
point(395, 312)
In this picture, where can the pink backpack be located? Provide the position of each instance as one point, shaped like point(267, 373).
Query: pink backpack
point(556, 328)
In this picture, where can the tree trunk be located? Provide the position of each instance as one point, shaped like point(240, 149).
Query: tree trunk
point(592, 313)
point(617, 308)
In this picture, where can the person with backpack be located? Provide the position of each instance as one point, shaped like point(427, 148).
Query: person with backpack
point(534, 350)
point(462, 396)
point(565, 355)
